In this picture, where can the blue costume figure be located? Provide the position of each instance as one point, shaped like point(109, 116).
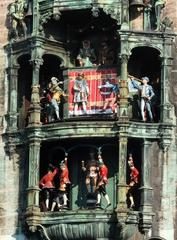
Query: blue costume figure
point(111, 93)
point(146, 94)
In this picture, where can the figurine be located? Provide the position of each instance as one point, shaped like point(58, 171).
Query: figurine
point(134, 174)
point(159, 5)
point(81, 92)
point(54, 96)
point(146, 94)
point(102, 182)
point(91, 180)
point(86, 56)
point(91, 175)
point(61, 198)
point(110, 92)
point(17, 13)
point(47, 184)
point(106, 55)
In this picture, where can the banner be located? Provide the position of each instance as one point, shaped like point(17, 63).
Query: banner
point(96, 85)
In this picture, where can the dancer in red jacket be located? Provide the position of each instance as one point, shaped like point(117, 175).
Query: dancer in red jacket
point(61, 198)
point(134, 174)
point(103, 181)
point(47, 184)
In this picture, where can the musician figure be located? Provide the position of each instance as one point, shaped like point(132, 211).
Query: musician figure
point(146, 94)
point(132, 186)
point(54, 96)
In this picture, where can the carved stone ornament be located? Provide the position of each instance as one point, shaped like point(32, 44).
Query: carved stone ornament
point(165, 140)
point(11, 148)
point(37, 62)
point(164, 145)
point(35, 94)
point(124, 58)
point(44, 18)
point(56, 11)
point(95, 11)
point(166, 24)
point(114, 12)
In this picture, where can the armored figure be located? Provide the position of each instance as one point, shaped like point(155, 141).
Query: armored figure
point(17, 13)
point(86, 56)
point(81, 92)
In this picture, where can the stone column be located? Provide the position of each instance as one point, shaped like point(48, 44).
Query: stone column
point(125, 15)
point(146, 190)
point(147, 16)
point(123, 106)
point(35, 109)
point(166, 106)
point(33, 178)
point(13, 89)
point(122, 186)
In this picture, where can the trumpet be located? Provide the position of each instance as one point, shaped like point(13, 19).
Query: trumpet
point(137, 79)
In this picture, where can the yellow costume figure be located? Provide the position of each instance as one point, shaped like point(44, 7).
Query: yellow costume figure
point(55, 95)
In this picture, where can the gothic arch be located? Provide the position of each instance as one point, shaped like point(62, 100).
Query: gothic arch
point(24, 88)
point(51, 68)
point(149, 45)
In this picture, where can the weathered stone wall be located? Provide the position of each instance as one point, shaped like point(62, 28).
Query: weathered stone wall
point(170, 10)
point(9, 169)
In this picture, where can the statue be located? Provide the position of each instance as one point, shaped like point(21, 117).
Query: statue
point(81, 92)
point(134, 173)
point(110, 93)
point(166, 25)
point(54, 97)
point(102, 182)
point(159, 5)
point(61, 197)
point(91, 175)
point(147, 14)
point(91, 180)
point(106, 54)
point(146, 94)
point(17, 13)
point(47, 184)
point(86, 56)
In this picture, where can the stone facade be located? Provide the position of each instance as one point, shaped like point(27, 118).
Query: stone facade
point(14, 157)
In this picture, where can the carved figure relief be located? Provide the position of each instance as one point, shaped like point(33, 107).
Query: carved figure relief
point(17, 14)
